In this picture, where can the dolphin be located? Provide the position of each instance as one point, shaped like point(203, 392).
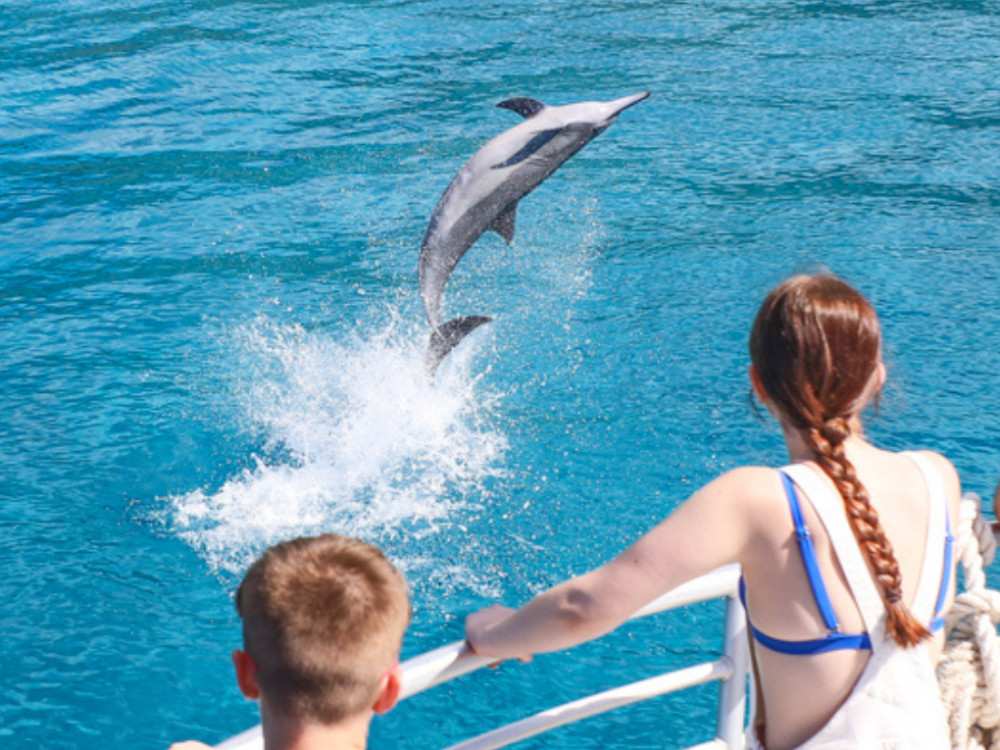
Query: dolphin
point(485, 192)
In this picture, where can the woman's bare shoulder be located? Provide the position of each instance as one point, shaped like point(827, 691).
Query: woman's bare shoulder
point(751, 478)
point(944, 467)
point(756, 489)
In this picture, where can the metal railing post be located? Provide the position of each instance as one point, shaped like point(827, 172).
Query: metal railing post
point(733, 691)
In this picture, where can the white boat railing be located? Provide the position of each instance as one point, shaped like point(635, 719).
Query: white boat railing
point(731, 669)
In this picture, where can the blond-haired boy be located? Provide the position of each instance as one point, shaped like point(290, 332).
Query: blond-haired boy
point(323, 623)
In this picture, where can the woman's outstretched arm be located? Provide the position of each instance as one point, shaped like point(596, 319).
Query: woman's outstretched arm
point(713, 527)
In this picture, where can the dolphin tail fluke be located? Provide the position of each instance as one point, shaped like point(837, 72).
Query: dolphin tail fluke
point(447, 336)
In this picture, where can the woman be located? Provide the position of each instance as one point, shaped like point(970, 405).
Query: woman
point(845, 553)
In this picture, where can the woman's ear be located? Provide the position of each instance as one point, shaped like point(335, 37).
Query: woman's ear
point(881, 374)
point(758, 387)
point(246, 674)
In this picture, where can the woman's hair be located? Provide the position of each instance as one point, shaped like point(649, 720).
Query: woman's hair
point(323, 619)
point(816, 347)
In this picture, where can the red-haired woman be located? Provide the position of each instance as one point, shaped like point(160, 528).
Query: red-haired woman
point(845, 552)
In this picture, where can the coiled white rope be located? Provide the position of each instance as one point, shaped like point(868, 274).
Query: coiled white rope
point(969, 670)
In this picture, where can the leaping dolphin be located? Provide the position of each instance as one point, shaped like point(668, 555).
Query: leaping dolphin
point(485, 192)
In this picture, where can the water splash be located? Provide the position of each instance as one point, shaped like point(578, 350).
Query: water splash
point(355, 440)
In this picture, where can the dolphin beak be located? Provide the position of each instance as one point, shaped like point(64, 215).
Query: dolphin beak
point(617, 106)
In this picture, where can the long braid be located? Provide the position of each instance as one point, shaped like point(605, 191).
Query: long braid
point(815, 346)
point(828, 444)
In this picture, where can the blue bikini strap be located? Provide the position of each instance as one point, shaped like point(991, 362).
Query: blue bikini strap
point(937, 622)
point(808, 553)
point(831, 642)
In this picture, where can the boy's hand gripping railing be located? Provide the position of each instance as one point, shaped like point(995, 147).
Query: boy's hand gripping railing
point(454, 660)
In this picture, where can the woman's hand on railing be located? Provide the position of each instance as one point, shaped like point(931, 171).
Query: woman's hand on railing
point(480, 622)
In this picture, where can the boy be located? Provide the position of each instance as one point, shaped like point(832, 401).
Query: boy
point(323, 622)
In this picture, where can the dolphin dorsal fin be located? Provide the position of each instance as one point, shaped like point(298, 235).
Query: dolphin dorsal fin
point(523, 106)
point(504, 223)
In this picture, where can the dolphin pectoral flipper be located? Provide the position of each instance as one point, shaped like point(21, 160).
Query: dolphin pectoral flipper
point(447, 336)
point(523, 106)
point(504, 223)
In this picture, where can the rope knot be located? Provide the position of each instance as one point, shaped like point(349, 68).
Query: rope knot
point(969, 670)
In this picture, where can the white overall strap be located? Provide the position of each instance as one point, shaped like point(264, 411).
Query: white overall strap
point(829, 506)
point(933, 565)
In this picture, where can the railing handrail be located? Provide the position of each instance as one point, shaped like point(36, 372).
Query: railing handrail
point(598, 703)
point(446, 663)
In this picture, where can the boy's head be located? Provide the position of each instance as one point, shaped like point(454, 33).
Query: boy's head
point(323, 622)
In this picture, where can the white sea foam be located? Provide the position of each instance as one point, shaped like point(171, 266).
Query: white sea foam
point(354, 439)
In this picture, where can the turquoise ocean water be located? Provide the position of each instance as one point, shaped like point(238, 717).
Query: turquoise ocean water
point(211, 334)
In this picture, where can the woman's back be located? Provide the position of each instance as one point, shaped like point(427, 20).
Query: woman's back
point(802, 692)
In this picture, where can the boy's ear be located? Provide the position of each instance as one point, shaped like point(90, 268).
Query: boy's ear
point(389, 690)
point(246, 674)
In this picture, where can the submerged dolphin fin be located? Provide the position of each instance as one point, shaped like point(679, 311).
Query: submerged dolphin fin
point(523, 106)
point(446, 338)
point(504, 223)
